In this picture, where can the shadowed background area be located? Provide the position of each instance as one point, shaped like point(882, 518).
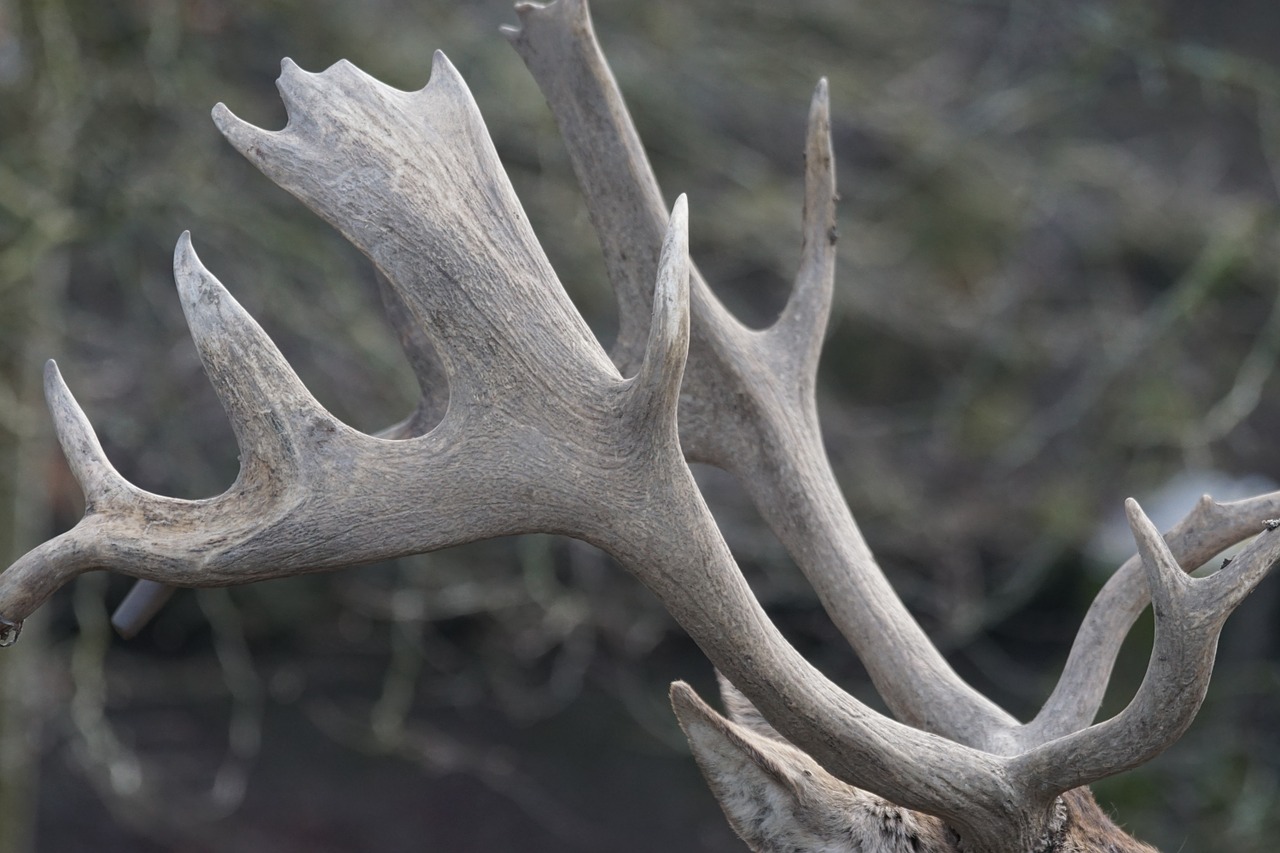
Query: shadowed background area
point(1057, 287)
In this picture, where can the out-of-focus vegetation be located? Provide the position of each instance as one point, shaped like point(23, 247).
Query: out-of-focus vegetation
point(1057, 287)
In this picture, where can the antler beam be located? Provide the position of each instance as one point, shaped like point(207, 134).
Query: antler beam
point(539, 431)
point(748, 404)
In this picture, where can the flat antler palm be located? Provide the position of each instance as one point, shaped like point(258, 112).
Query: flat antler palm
point(542, 432)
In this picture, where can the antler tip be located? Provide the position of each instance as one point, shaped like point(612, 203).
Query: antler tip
point(1165, 577)
point(56, 392)
point(196, 285)
point(547, 16)
point(680, 210)
point(821, 94)
point(89, 464)
point(237, 131)
point(185, 259)
point(55, 387)
point(444, 72)
point(673, 264)
point(819, 131)
point(658, 382)
point(440, 62)
point(1144, 530)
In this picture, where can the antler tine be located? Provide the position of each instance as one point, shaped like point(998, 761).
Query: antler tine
point(613, 171)
point(139, 606)
point(522, 365)
point(96, 475)
point(268, 407)
point(1209, 529)
point(410, 192)
point(799, 330)
point(146, 598)
point(1189, 614)
point(541, 434)
point(265, 400)
point(771, 442)
point(657, 384)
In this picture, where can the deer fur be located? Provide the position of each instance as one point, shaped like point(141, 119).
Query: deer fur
point(545, 431)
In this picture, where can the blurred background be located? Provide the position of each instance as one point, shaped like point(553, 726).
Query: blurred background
point(1057, 287)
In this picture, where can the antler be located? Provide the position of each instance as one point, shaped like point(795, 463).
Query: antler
point(748, 404)
point(1189, 614)
point(1209, 529)
point(542, 433)
point(772, 443)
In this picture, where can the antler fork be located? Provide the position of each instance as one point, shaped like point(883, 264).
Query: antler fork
point(543, 433)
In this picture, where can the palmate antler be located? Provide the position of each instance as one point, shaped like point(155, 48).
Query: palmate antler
point(543, 433)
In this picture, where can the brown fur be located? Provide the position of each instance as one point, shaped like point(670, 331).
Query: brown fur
point(1090, 830)
point(779, 800)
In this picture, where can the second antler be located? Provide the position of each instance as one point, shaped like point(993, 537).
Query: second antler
point(542, 432)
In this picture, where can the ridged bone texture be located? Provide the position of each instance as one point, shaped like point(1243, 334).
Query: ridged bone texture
point(527, 425)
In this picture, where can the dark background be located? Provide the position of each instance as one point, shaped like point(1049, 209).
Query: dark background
point(1057, 288)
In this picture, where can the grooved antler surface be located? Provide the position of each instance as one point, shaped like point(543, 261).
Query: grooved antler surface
point(541, 432)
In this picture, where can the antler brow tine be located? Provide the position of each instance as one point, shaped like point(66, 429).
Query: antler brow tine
point(527, 425)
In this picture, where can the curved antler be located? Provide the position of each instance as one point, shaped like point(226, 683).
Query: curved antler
point(748, 404)
point(1209, 529)
point(772, 443)
point(1189, 615)
point(542, 433)
point(310, 488)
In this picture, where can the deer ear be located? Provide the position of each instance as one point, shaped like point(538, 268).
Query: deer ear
point(742, 712)
point(778, 798)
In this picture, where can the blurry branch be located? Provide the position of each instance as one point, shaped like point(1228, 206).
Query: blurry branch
point(1269, 127)
point(244, 729)
point(23, 695)
point(438, 753)
point(145, 793)
point(15, 415)
point(1258, 366)
point(565, 629)
point(49, 224)
point(541, 623)
point(390, 731)
point(34, 227)
point(1178, 305)
point(114, 767)
point(400, 681)
point(950, 176)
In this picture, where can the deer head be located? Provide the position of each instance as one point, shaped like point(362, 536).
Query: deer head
point(526, 424)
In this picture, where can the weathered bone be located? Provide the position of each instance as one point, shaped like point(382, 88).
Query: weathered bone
point(748, 404)
point(526, 425)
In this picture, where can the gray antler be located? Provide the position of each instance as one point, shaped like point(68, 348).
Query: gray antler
point(542, 432)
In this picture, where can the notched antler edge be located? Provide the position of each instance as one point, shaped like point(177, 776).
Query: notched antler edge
point(541, 432)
